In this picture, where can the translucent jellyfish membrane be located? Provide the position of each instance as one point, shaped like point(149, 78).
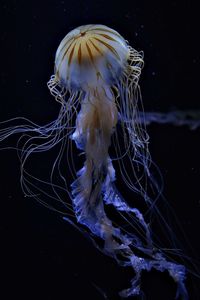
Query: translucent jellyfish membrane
point(96, 83)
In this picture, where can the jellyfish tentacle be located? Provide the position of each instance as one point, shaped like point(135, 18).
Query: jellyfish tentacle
point(95, 186)
point(94, 126)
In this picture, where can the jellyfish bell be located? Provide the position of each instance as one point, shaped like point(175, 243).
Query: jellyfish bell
point(91, 56)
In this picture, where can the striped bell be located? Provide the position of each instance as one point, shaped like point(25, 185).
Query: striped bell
point(91, 56)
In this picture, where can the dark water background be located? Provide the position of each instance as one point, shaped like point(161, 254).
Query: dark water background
point(42, 256)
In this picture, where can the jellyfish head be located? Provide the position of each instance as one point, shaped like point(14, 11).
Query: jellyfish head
point(91, 56)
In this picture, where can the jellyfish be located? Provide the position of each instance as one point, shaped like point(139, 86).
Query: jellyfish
point(96, 82)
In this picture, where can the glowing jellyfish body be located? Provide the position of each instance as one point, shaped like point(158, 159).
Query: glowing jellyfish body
point(96, 82)
point(97, 62)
